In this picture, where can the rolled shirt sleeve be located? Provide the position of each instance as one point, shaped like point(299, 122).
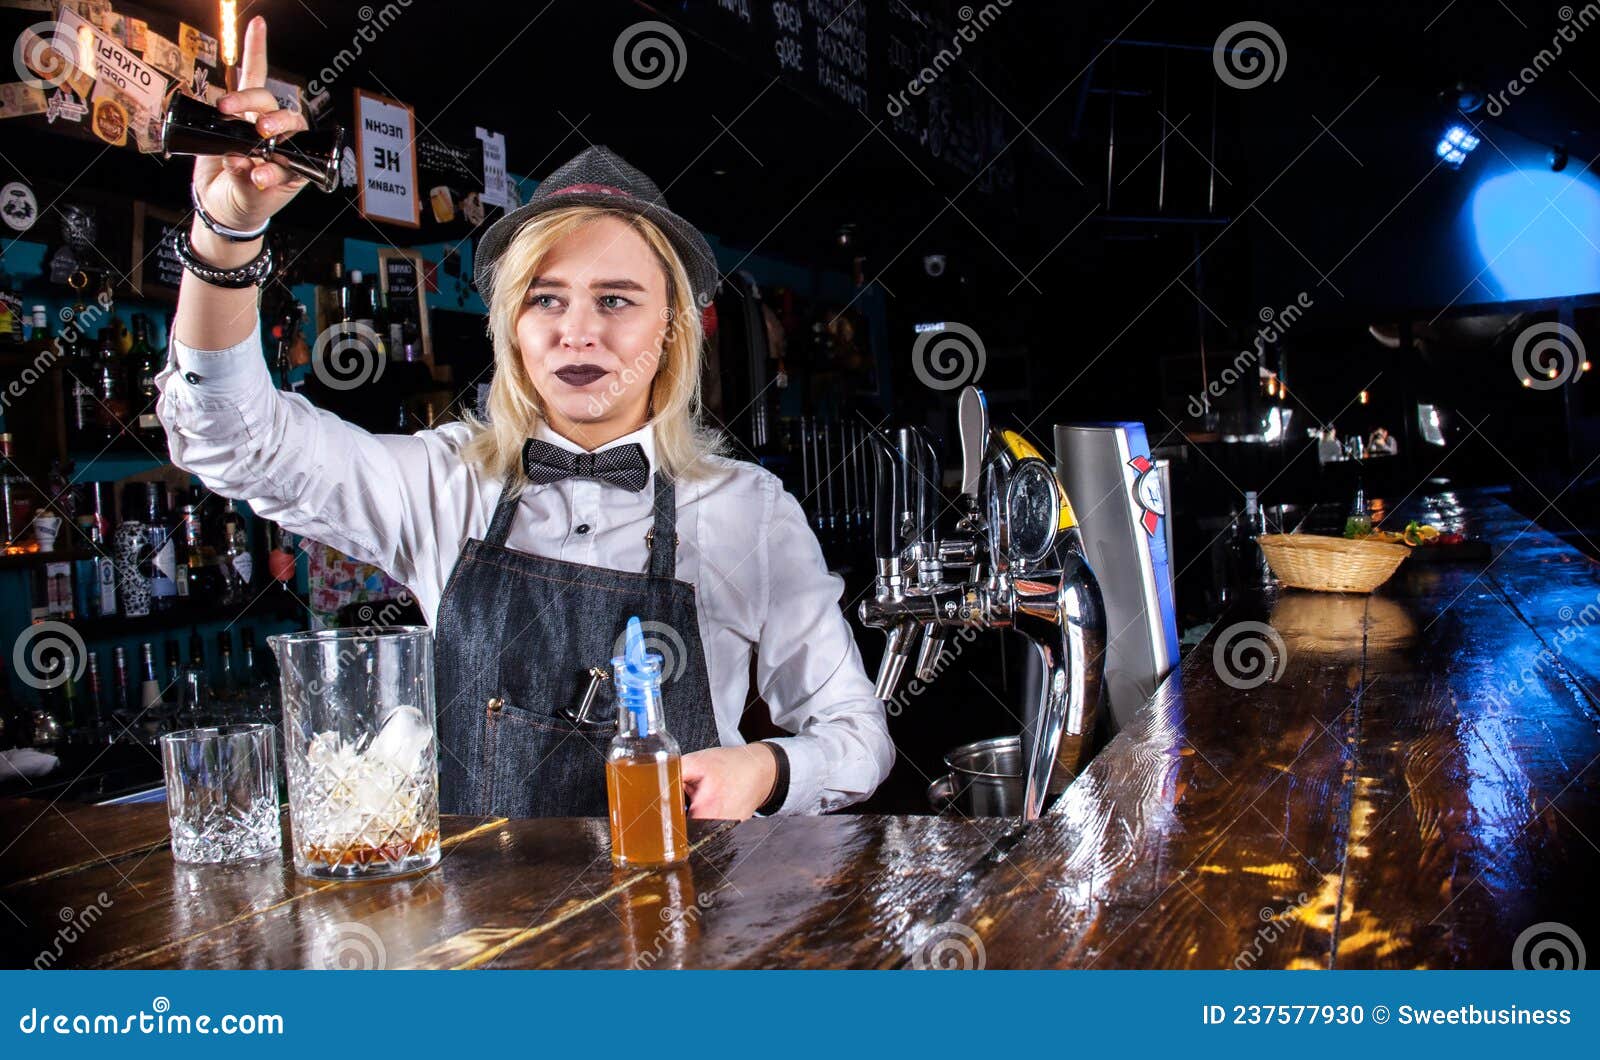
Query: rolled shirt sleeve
point(809, 672)
point(305, 468)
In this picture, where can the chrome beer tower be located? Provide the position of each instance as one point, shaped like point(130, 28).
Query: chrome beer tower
point(1014, 561)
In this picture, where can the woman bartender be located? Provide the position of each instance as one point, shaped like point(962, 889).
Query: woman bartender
point(591, 493)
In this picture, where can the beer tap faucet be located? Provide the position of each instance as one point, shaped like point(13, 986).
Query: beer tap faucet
point(1013, 561)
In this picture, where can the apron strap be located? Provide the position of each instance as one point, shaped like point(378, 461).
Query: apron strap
point(663, 561)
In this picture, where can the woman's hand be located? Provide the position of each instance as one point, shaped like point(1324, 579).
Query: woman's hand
point(729, 783)
point(235, 190)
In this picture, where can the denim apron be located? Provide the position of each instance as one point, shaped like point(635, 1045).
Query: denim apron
point(516, 637)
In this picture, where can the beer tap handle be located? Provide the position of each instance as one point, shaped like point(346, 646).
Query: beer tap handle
point(806, 484)
point(816, 471)
point(886, 491)
point(828, 469)
point(973, 418)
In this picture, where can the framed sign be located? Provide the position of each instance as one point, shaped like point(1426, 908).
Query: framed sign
point(156, 270)
point(386, 159)
point(401, 277)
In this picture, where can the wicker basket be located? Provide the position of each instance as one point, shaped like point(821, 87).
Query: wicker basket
point(1331, 564)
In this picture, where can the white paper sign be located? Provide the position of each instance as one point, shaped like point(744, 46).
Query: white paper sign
point(113, 63)
point(388, 161)
point(494, 168)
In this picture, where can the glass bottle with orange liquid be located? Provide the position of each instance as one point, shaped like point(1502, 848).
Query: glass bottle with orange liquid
point(644, 768)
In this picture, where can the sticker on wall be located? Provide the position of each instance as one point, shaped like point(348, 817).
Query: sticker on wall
point(18, 100)
point(64, 104)
point(110, 122)
point(1147, 492)
point(18, 207)
point(197, 44)
point(347, 168)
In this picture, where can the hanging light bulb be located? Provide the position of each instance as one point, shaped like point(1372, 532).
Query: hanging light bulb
point(1363, 397)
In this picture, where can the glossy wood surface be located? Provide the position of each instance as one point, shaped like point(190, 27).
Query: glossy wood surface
point(1410, 782)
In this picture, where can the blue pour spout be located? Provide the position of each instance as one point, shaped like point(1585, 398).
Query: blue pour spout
point(637, 675)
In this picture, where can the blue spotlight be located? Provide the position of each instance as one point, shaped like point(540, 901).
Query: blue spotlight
point(1456, 144)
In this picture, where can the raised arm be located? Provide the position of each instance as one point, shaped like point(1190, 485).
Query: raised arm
point(370, 495)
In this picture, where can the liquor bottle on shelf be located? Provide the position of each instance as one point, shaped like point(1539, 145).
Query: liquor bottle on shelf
point(86, 572)
point(237, 566)
point(162, 548)
point(77, 386)
point(130, 551)
point(225, 692)
point(196, 573)
point(19, 501)
point(280, 557)
point(152, 707)
point(174, 663)
point(111, 395)
point(259, 692)
point(197, 649)
point(145, 363)
point(123, 715)
point(91, 726)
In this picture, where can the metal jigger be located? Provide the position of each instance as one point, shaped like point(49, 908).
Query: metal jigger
point(191, 127)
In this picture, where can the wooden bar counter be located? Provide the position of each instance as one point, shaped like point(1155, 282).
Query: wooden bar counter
point(1410, 783)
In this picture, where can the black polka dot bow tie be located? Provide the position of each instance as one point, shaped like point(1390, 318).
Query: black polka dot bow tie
point(622, 465)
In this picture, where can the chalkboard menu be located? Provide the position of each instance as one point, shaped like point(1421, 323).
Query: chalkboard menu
point(920, 66)
point(156, 269)
point(403, 284)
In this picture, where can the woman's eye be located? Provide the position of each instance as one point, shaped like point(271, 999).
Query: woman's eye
point(542, 301)
point(614, 301)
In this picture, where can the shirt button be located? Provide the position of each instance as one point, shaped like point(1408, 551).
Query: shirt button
point(582, 528)
point(191, 377)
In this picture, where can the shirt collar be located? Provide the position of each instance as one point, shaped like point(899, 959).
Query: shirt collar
point(645, 437)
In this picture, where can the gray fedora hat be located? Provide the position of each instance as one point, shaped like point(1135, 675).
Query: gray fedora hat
point(598, 176)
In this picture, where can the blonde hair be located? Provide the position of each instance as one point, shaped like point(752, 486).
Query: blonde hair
point(515, 409)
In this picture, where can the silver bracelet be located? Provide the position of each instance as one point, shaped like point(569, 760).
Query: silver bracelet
point(232, 235)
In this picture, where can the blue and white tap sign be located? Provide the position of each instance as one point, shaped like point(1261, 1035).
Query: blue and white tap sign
point(387, 156)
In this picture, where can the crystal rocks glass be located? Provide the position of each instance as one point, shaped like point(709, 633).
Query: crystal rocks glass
point(222, 793)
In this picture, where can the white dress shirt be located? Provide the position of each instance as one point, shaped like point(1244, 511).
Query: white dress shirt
point(408, 503)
